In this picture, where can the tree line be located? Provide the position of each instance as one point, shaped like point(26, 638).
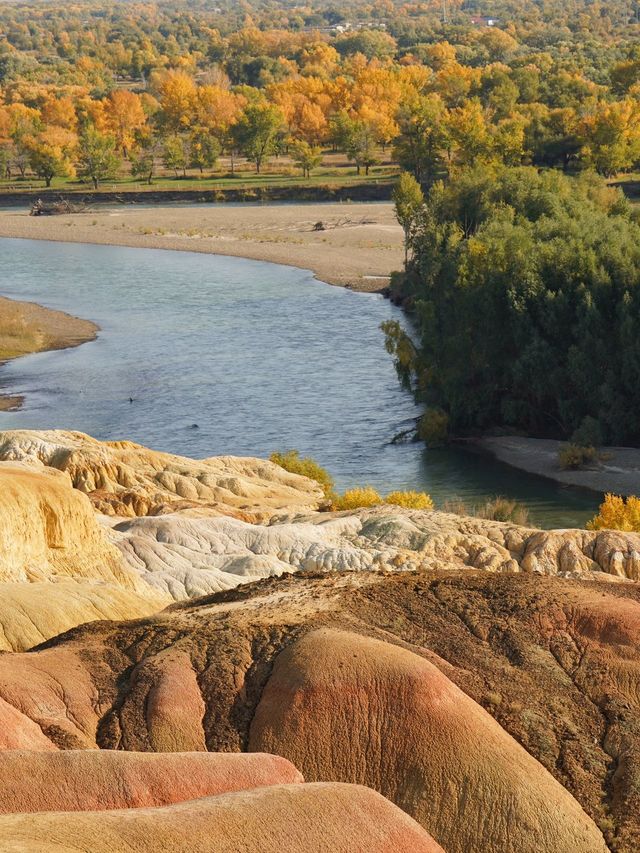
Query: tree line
point(524, 286)
point(178, 85)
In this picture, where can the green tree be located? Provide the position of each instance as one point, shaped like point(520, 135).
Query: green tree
point(306, 156)
point(97, 156)
point(175, 155)
point(204, 149)
point(257, 130)
point(408, 200)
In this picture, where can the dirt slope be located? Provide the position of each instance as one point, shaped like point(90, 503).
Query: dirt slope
point(553, 661)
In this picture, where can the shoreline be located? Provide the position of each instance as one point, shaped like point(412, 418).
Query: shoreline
point(358, 246)
point(618, 473)
point(27, 328)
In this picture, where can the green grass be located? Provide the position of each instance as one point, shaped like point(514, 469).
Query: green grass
point(243, 180)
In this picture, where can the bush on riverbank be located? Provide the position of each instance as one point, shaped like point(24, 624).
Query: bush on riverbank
point(357, 498)
point(573, 457)
point(524, 289)
point(306, 467)
point(497, 509)
point(617, 513)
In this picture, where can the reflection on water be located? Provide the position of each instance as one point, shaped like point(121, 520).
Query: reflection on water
point(260, 357)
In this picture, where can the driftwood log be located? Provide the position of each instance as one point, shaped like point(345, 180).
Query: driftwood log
point(55, 208)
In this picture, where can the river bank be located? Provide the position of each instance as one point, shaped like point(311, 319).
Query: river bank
point(618, 472)
point(355, 245)
point(26, 328)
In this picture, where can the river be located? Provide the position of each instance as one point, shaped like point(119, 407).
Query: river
point(231, 356)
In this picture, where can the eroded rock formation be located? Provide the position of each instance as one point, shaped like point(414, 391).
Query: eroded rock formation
point(274, 819)
point(125, 479)
point(389, 680)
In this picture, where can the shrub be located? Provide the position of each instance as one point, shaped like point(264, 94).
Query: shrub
point(357, 499)
point(588, 434)
point(455, 506)
point(497, 509)
point(410, 500)
point(292, 461)
point(503, 509)
point(617, 513)
point(433, 427)
point(574, 456)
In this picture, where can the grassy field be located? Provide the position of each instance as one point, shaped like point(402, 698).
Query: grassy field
point(335, 171)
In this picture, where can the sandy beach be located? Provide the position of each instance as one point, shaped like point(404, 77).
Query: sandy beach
point(27, 328)
point(358, 246)
point(618, 471)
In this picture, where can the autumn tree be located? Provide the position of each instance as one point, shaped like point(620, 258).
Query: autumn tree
point(125, 117)
point(50, 153)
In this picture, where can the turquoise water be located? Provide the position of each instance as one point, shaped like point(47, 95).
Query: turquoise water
point(260, 357)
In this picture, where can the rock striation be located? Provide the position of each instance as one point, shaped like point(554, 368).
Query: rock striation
point(57, 567)
point(292, 818)
point(490, 707)
point(100, 780)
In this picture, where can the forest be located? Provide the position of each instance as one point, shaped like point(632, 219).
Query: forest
point(525, 291)
point(92, 91)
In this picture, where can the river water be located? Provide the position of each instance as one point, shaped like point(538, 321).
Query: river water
point(260, 357)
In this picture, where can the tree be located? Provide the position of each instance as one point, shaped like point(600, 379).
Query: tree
point(125, 117)
point(424, 140)
point(175, 155)
point(49, 154)
point(306, 156)
point(204, 149)
point(256, 132)
point(360, 144)
point(97, 157)
point(526, 318)
point(408, 200)
point(145, 158)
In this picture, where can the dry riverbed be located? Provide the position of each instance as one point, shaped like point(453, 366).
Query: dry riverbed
point(27, 328)
point(358, 246)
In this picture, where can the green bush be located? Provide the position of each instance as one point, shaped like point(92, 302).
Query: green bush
point(433, 427)
point(588, 434)
point(572, 457)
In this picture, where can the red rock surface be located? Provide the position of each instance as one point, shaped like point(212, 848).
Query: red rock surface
point(382, 716)
point(553, 661)
point(95, 780)
point(331, 818)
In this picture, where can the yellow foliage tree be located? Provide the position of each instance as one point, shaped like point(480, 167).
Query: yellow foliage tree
point(617, 513)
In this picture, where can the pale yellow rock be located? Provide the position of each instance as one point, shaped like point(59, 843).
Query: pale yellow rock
point(31, 613)
point(57, 567)
point(123, 478)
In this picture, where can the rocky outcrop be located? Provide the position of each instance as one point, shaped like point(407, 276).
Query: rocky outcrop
point(125, 479)
point(99, 780)
point(49, 530)
point(291, 818)
point(384, 717)
point(386, 679)
point(184, 556)
point(57, 567)
point(31, 613)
